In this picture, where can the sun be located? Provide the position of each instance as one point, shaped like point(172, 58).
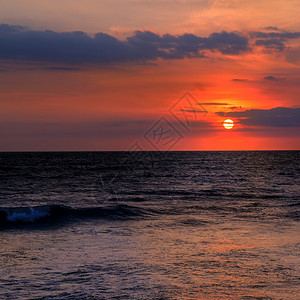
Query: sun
point(228, 124)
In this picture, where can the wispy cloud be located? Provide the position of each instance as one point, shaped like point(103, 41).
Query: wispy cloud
point(194, 111)
point(239, 79)
point(271, 28)
point(273, 78)
point(213, 103)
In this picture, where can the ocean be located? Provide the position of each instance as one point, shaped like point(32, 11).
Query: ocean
point(150, 225)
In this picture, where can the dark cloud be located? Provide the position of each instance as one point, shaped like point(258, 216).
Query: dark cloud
point(275, 117)
point(273, 78)
point(273, 40)
point(275, 35)
point(239, 108)
point(213, 103)
point(239, 79)
point(274, 44)
point(20, 44)
point(194, 111)
point(271, 28)
point(227, 42)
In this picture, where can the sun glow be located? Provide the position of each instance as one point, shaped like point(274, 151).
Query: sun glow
point(228, 124)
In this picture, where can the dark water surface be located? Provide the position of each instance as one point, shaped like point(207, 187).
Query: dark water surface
point(172, 225)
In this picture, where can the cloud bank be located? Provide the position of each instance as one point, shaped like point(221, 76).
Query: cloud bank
point(76, 47)
point(275, 117)
point(20, 44)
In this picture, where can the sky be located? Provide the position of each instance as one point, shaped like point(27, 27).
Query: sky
point(101, 75)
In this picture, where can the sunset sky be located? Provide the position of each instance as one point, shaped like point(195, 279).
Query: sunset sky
point(112, 74)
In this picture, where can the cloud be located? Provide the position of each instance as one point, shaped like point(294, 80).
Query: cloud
point(239, 79)
point(77, 47)
point(273, 35)
point(213, 103)
point(193, 111)
point(239, 108)
point(274, 44)
point(275, 117)
point(273, 40)
point(273, 78)
point(271, 28)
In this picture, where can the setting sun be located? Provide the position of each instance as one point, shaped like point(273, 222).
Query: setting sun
point(228, 124)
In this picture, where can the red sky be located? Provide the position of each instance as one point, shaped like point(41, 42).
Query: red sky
point(64, 90)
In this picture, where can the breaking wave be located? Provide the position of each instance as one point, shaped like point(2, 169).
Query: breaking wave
point(23, 215)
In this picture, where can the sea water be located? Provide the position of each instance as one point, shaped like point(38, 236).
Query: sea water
point(150, 225)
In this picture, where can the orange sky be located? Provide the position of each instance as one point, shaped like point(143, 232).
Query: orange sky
point(79, 104)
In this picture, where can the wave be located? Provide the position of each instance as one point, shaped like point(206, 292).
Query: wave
point(35, 214)
point(294, 204)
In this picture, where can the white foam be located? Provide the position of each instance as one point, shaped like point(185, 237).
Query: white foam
point(29, 215)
